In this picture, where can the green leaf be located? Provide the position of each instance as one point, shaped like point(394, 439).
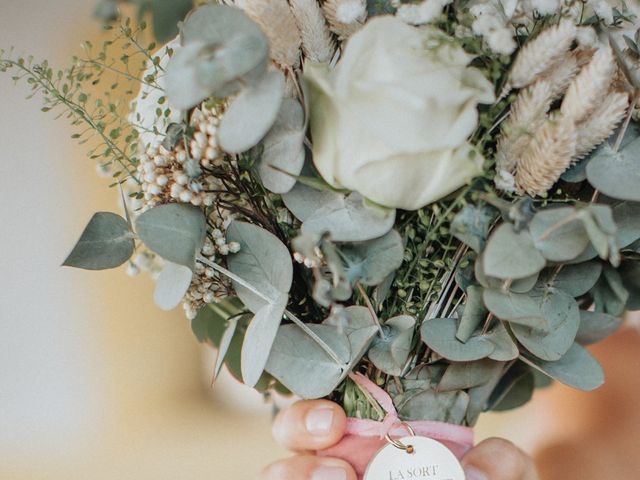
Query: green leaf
point(516, 308)
point(630, 276)
point(283, 151)
point(450, 407)
point(514, 389)
point(479, 396)
point(371, 262)
point(561, 312)
point(505, 348)
point(510, 254)
point(251, 114)
point(440, 335)
point(596, 326)
point(601, 228)
point(225, 343)
point(358, 325)
point(263, 261)
point(175, 231)
point(305, 368)
point(303, 200)
point(259, 339)
point(171, 285)
point(390, 352)
point(627, 218)
point(209, 324)
point(348, 219)
point(576, 280)
point(577, 369)
point(558, 234)
point(617, 174)
point(464, 375)
point(166, 15)
point(473, 315)
point(106, 242)
point(609, 294)
point(471, 225)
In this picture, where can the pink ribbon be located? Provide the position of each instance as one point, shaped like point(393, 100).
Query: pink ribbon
point(363, 438)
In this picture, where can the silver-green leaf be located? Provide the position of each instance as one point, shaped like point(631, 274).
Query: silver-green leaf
point(439, 334)
point(171, 285)
point(511, 255)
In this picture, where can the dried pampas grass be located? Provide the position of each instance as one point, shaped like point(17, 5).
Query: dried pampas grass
point(317, 42)
point(601, 124)
point(547, 157)
point(538, 55)
point(586, 91)
point(345, 17)
point(560, 75)
point(279, 25)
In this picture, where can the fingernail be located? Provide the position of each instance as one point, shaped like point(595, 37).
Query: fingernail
point(319, 421)
point(472, 473)
point(329, 473)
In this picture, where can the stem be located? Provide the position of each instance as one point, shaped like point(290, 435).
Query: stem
point(372, 310)
point(625, 125)
point(239, 280)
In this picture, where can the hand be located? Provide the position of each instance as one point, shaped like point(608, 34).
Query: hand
point(308, 426)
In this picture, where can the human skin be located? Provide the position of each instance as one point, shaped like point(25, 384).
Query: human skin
point(308, 426)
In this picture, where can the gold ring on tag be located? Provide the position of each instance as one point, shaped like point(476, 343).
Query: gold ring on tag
point(397, 443)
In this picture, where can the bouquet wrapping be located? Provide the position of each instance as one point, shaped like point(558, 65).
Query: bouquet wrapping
point(422, 211)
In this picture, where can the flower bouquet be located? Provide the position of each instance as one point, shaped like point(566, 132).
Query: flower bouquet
point(422, 211)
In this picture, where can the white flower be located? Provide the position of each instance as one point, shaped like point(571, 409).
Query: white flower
point(421, 13)
point(143, 115)
point(392, 120)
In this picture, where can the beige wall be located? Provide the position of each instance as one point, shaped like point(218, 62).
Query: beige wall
point(95, 381)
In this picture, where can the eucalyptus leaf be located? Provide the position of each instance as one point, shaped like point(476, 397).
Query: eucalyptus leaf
point(259, 339)
point(514, 389)
point(511, 255)
point(450, 407)
point(303, 200)
point(347, 219)
point(479, 396)
point(596, 326)
point(302, 366)
point(577, 369)
point(439, 334)
point(371, 262)
point(576, 280)
point(166, 15)
point(390, 352)
point(576, 173)
point(225, 343)
point(106, 242)
point(359, 326)
point(464, 375)
point(175, 231)
point(559, 234)
point(610, 294)
point(171, 285)
point(601, 228)
point(516, 308)
point(283, 151)
point(251, 114)
point(630, 275)
point(210, 322)
point(627, 218)
point(617, 174)
point(471, 225)
point(473, 315)
point(263, 261)
point(561, 312)
point(505, 348)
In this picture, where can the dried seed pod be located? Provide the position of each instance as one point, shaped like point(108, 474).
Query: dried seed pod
point(602, 123)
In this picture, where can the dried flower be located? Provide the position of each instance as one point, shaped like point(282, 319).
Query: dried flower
point(345, 17)
point(547, 157)
point(317, 44)
point(601, 123)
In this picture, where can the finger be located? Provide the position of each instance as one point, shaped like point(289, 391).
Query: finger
point(308, 467)
point(310, 425)
point(497, 459)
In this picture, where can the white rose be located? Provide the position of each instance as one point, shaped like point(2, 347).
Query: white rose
point(392, 120)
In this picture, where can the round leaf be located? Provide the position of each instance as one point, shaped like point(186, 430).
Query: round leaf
point(172, 285)
point(596, 326)
point(252, 113)
point(517, 308)
point(390, 352)
point(106, 242)
point(303, 200)
point(440, 335)
point(561, 312)
point(175, 231)
point(558, 234)
point(263, 261)
point(617, 174)
point(511, 255)
point(576, 280)
point(371, 262)
point(505, 348)
point(627, 218)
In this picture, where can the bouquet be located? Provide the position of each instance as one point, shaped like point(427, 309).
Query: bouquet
point(420, 210)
